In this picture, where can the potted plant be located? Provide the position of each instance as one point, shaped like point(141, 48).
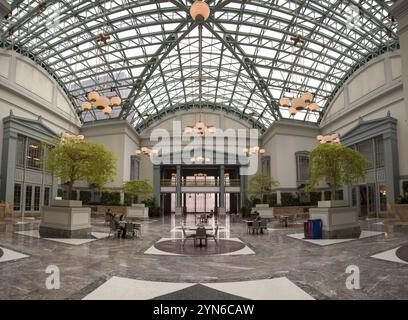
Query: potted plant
point(74, 159)
point(337, 165)
point(401, 208)
point(136, 189)
point(259, 186)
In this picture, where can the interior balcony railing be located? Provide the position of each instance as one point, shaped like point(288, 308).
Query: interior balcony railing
point(200, 183)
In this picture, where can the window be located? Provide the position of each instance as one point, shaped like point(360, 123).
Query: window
point(134, 168)
point(37, 197)
point(302, 167)
point(17, 197)
point(34, 154)
point(366, 150)
point(379, 152)
point(20, 154)
point(29, 191)
point(46, 196)
point(266, 165)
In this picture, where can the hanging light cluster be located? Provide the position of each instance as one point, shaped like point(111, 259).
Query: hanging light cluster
point(146, 151)
point(254, 150)
point(305, 102)
point(200, 160)
point(99, 102)
point(66, 137)
point(200, 128)
point(333, 138)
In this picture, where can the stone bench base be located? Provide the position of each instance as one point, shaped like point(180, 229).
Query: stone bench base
point(46, 232)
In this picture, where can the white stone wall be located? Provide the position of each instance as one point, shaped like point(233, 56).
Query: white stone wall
point(29, 91)
point(119, 137)
point(281, 142)
point(371, 93)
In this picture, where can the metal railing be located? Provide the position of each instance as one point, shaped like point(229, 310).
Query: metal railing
point(200, 183)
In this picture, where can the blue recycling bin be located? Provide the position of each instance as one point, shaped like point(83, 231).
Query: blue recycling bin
point(316, 229)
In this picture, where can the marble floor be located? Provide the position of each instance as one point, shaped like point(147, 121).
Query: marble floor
point(300, 269)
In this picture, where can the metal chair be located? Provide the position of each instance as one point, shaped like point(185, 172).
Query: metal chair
point(201, 234)
point(263, 225)
point(138, 229)
point(255, 226)
point(113, 228)
point(214, 235)
point(129, 230)
point(187, 236)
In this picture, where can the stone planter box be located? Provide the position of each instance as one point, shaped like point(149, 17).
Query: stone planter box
point(138, 211)
point(401, 211)
point(71, 221)
point(338, 222)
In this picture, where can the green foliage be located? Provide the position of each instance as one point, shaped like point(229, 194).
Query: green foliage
point(246, 208)
point(110, 199)
point(405, 188)
point(85, 197)
point(315, 197)
point(84, 161)
point(337, 165)
point(288, 199)
point(402, 200)
point(136, 188)
point(260, 185)
point(154, 210)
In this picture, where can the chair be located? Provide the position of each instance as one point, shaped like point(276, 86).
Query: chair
point(214, 235)
point(263, 225)
point(113, 228)
point(249, 226)
point(138, 229)
point(187, 236)
point(255, 226)
point(201, 234)
point(129, 230)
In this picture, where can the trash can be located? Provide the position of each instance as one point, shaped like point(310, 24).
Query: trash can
point(316, 229)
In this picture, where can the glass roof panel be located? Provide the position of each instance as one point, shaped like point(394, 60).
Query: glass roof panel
point(250, 58)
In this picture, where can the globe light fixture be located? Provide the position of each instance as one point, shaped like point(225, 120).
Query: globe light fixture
point(200, 11)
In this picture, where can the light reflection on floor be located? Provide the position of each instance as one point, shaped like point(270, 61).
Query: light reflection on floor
point(190, 221)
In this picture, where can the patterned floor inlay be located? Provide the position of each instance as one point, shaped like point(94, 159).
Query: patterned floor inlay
point(74, 242)
point(328, 242)
point(10, 255)
point(169, 246)
point(117, 288)
point(393, 255)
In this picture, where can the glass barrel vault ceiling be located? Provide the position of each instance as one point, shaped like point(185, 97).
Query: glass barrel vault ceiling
point(249, 58)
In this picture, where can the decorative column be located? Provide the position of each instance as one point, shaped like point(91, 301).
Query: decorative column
point(391, 166)
point(179, 205)
point(156, 184)
point(221, 209)
point(8, 164)
point(278, 198)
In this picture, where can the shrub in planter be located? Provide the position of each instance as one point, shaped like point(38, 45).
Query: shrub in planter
point(85, 197)
point(110, 199)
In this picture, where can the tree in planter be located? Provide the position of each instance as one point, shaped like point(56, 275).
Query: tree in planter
point(337, 165)
point(137, 188)
point(75, 160)
point(260, 185)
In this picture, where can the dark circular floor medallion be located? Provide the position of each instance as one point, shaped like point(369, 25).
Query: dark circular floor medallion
point(176, 246)
point(402, 253)
point(1, 253)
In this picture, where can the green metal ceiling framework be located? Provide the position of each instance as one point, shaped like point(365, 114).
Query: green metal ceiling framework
point(249, 59)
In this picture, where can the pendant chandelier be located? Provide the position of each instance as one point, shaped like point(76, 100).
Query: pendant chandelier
point(305, 100)
point(200, 12)
point(295, 105)
point(95, 100)
point(254, 150)
point(146, 151)
point(200, 160)
point(333, 139)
